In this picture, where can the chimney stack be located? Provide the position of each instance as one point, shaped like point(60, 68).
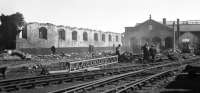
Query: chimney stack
point(164, 21)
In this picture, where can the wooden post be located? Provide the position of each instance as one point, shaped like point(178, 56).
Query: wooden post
point(174, 47)
point(178, 33)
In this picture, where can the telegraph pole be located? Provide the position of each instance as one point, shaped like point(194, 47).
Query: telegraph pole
point(178, 32)
point(174, 47)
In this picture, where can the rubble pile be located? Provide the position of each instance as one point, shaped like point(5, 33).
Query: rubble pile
point(72, 56)
point(177, 55)
point(14, 55)
point(163, 55)
point(172, 55)
point(127, 57)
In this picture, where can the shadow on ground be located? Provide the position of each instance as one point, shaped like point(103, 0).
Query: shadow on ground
point(184, 84)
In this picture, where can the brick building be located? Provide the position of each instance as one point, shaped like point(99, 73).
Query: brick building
point(162, 33)
point(150, 31)
point(45, 35)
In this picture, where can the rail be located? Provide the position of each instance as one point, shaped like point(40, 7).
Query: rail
point(82, 88)
point(31, 82)
point(141, 82)
point(76, 88)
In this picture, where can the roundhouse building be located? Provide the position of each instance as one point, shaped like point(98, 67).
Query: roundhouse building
point(162, 34)
point(150, 31)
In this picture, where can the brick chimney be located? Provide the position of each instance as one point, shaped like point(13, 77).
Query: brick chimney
point(164, 21)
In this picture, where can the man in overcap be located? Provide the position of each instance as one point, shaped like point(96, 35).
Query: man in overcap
point(145, 49)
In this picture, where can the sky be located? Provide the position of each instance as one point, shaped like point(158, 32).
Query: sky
point(105, 15)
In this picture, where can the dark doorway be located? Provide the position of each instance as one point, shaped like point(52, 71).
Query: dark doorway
point(157, 41)
point(168, 42)
point(134, 44)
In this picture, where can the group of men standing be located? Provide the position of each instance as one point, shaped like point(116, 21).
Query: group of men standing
point(149, 52)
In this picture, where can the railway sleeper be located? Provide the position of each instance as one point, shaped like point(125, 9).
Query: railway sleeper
point(155, 80)
point(110, 83)
point(150, 86)
point(12, 82)
point(97, 85)
point(115, 70)
point(109, 73)
point(41, 84)
point(66, 80)
point(44, 78)
point(118, 88)
point(116, 73)
point(27, 86)
point(80, 91)
point(133, 88)
point(129, 90)
point(138, 87)
point(115, 83)
point(31, 80)
point(88, 88)
point(131, 69)
point(55, 82)
point(123, 71)
point(101, 85)
point(98, 71)
point(78, 74)
point(98, 75)
point(59, 76)
point(98, 90)
point(90, 77)
point(81, 78)
point(145, 73)
point(10, 88)
point(5, 84)
point(142, 84)
point(147, 84)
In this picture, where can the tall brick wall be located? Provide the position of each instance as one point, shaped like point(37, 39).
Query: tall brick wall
point(33, 40)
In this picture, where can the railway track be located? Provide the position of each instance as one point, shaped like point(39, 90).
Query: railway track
point(32, 82)
point(119, 83)
point(145, 83)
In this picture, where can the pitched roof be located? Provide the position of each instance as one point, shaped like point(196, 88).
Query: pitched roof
point(152, 21)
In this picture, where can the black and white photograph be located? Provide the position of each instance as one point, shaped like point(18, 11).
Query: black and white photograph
point(99, 46)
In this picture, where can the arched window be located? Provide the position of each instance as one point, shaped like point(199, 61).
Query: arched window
point(110, 38)
point(74, 35)
point(117, 38)
point(61, 33)
point(95, 36)
point(43, 33)
point(85, 36)
point(103, 37)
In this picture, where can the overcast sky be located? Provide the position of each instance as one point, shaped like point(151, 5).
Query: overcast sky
point(106, 15)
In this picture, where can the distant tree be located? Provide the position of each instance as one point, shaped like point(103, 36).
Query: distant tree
point(11, 25)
